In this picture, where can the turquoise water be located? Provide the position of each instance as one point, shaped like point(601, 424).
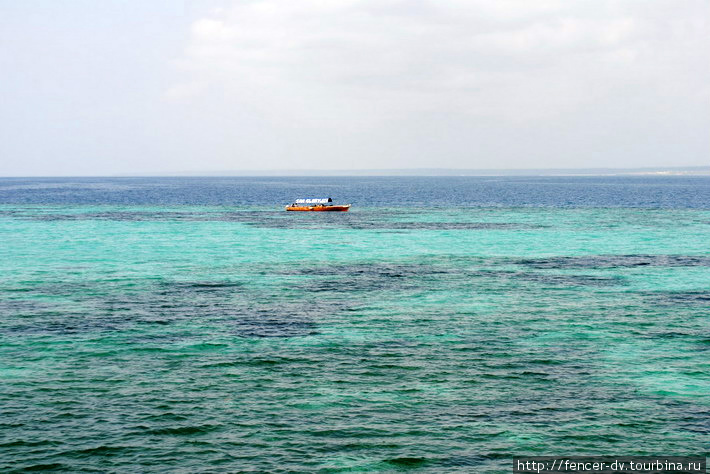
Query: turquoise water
point(198, 338)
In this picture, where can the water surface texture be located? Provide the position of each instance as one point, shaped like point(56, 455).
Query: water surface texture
point(443, 325)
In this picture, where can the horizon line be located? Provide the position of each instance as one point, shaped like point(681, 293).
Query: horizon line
point(644, 171)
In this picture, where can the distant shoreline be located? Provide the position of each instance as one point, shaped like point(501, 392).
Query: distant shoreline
point(650, 171)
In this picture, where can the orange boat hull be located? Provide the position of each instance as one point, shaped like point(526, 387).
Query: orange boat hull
point(343, 208)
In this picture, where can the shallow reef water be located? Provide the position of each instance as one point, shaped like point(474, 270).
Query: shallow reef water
point(443, 325)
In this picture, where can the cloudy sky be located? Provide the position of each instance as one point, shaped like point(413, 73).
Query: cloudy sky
point(164, 86)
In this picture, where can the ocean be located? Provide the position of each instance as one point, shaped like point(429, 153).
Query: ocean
point(444, 324)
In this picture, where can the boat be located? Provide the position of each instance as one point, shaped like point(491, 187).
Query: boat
point(317, 205)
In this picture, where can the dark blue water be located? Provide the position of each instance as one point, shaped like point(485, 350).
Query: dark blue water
point(635, 191)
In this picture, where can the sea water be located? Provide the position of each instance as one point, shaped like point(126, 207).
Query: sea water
point(444, 324)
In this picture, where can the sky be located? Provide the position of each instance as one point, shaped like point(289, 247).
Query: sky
point(125, 87)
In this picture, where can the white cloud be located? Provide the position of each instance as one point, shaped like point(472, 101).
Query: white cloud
point(357, 65)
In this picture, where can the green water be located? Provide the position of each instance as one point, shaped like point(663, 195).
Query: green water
point(149, 339)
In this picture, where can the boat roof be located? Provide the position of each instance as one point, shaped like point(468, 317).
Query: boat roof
point(314, 201)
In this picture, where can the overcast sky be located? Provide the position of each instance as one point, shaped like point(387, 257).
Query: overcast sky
point(134, 86)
